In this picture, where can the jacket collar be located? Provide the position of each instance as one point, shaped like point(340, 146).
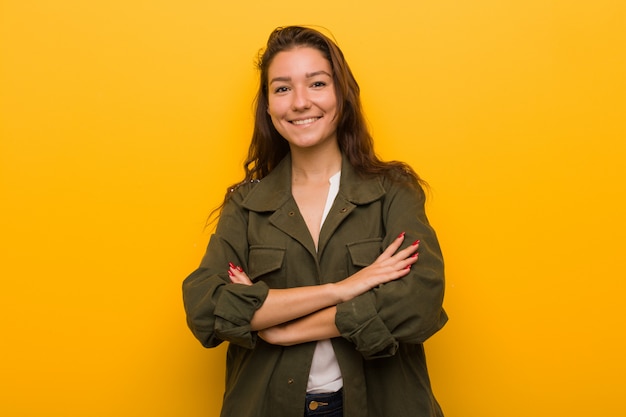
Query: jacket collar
point(275, 189)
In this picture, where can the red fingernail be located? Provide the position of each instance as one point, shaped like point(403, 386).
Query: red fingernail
point(400, 235)
point(417, 242)
point(414, 255)
point(239, 268)
point(230, 273)
point(407, 267)
point(231, 265)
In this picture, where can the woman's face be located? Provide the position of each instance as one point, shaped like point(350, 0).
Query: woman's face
point(301, 98)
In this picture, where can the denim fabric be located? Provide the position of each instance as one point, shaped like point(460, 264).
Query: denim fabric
point(324, 405)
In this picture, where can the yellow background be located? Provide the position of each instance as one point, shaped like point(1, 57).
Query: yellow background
point(121, 122)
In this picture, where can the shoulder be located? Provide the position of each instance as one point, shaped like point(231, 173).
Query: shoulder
point(236, 194)
point(240, 190)
point(398, 183)
point(403, 195)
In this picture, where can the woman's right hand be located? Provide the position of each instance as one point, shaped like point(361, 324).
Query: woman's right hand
point(389, 266)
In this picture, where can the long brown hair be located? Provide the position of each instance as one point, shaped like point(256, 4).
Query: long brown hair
point(268, 147)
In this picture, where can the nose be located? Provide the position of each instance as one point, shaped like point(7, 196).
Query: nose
point(301, 99)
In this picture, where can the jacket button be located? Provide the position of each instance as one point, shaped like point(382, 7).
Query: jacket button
point(292, 213)
point(343, 210)
point(290, 381)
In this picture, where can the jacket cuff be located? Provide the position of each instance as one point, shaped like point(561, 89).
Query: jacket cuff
point(358, 322)
point(234, 310)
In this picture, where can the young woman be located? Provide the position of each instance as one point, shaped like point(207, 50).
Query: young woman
point(312, 274)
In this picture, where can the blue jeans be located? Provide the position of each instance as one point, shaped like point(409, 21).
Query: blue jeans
point(324, 405)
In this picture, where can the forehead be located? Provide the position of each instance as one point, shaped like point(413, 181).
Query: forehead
point(298, 61)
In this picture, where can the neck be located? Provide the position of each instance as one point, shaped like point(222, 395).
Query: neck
point(315, 165)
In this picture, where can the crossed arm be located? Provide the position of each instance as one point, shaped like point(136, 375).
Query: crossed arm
point(304, 314)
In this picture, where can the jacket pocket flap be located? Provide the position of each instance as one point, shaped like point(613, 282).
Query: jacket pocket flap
point(365, 252)
point(264, 259)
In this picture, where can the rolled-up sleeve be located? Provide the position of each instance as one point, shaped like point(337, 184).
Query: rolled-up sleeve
point(408, 310)
point(359, 322)
point(216, 309)
point(234, 310)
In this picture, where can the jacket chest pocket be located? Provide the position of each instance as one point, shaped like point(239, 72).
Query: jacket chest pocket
point(363, 253)
point(266, 263)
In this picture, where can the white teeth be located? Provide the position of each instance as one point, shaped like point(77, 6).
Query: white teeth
point(305, 121)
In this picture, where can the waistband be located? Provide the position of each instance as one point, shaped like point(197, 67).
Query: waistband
point(322, 404)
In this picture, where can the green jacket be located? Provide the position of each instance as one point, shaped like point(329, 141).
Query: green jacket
point(380, 352)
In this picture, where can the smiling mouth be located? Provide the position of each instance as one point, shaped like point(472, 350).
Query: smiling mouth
point(305, 121)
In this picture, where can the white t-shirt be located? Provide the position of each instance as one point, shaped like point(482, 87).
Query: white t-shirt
point(325, 375)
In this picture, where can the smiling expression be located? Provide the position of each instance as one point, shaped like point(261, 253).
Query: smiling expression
point(301, 98)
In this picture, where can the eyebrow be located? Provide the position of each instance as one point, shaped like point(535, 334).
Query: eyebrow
point(307, 75)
